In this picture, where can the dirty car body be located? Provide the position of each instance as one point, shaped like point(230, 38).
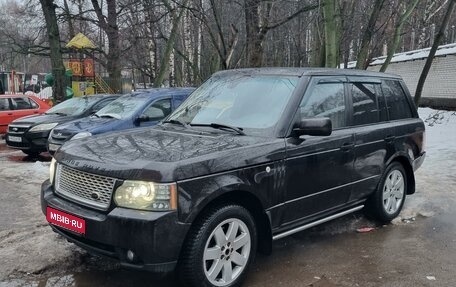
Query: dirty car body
point(270, 151)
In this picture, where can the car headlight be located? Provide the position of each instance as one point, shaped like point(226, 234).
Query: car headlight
point(81, 135)
point(43, 127)
point(146, 195)
point(52, 170)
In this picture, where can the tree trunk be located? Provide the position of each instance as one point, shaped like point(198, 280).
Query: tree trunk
point(438, 38)
point(165, 60)
point(58, 69)
point(252, 25)
point(392, 47)
point(329, 15)
point(110, 27)
point(363, 54)
point(69, 20)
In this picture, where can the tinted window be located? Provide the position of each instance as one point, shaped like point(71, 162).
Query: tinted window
point(21, 103)
point(365, 108)
point(158, 110)
point(325, 100)
point(4, 104)
point(396, 100)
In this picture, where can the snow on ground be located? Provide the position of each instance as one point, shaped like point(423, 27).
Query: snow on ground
point(436, 179)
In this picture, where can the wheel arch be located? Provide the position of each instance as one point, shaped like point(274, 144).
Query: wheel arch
point(407, 165)
point(254, 205)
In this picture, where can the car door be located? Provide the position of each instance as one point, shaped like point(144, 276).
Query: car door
point(319, 168)
point(374, 135)
point(6, 114)
point(155, 112)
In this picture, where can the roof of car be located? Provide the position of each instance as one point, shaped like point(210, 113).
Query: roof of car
point(308, 72)
point(104, 95)
point(13, 95)
point(158, 92)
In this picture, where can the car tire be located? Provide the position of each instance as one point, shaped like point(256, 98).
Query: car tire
point(220, 248)
point(387, 201)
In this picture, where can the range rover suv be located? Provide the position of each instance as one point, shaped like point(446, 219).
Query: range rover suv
point(252, 156)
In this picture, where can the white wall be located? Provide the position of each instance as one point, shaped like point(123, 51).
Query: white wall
point(441, 80)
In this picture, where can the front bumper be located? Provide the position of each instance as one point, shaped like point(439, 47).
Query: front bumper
point(29, 141)
point(155, 237)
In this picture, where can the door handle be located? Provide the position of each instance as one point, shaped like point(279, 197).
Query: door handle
point(347, 146)
point(390, 139)
point(10, 114)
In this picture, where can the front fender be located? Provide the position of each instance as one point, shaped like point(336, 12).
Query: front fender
point(195, 194)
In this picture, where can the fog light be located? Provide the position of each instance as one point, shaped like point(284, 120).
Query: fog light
point(130, 255)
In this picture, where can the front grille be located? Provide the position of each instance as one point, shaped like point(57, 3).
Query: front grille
point(17, 129)
point(23, 144)
point(60, 136)
point(83, 187)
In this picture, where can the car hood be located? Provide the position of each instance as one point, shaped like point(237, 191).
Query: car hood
point(167, 155)
point(42, 119)
point(88, 124)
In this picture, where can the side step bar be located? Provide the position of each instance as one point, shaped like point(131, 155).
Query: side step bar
point(315, 223)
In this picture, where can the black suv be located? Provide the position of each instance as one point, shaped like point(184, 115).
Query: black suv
point(34, 131)
point(251, 156)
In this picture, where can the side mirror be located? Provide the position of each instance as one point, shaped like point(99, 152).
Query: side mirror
point(313, 127)
point(141, 119)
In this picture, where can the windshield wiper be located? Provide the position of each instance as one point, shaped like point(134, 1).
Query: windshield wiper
point(113, 116)
point(176, 122)
point(221, 127)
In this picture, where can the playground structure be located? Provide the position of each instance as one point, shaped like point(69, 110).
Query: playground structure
point(81, 65)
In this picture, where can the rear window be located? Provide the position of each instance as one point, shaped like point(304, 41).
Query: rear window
point(4, 104)
point(396, 100)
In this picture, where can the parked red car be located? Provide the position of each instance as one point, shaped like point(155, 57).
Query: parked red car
point(17, 106)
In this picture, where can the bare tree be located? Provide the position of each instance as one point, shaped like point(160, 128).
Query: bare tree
point(430, 58)
point(367, 35)
point(394, 43)
point(58, 69)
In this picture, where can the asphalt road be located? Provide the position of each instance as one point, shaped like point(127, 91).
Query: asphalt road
point(418, 249)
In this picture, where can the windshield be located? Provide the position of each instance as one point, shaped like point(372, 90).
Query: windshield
point(73, 106)
point(247, 102)
point(123, 107)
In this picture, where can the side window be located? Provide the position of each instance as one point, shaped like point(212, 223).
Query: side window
point(158, 110)
point(365, 106)
point(34, 104)
point(21, 103)
point(178, 100)
point(325, 100)
point(4, 104)
point(396, 100)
